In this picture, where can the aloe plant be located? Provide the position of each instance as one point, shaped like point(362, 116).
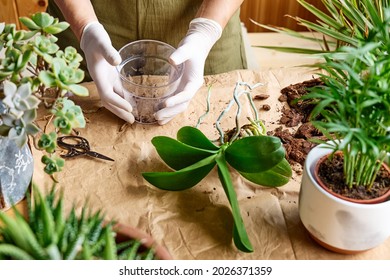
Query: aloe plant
point(249, 150)
point(35, 70)
point(46, 233)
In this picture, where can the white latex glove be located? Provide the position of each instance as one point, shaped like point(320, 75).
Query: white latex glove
point(193, 51)
point(101, 59)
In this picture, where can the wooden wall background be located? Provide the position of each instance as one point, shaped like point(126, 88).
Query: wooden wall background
point(11, 10)
point(272, 12)
point(263, 11)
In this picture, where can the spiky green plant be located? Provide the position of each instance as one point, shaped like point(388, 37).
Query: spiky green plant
point(355, 98)
point(344, 23)
point(47, 233)
point(355, 104)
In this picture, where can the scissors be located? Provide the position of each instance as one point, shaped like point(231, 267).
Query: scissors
point(78, 147)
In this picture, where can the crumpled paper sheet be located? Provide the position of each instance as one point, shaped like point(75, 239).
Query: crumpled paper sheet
point(196, 223)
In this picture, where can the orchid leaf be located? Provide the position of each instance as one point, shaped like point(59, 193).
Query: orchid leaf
point(277, 176)
point(255, 153)
point(240, 236)
point(195, 138)
point(182, 179)
point(176, 154)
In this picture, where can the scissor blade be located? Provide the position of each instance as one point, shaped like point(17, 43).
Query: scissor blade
point(97, 155)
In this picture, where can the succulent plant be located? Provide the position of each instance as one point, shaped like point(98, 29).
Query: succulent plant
point(19, 112)
point(35, 70)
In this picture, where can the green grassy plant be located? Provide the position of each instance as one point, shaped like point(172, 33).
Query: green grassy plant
point(48, 234)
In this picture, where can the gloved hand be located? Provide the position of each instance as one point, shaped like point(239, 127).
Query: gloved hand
point(193, 51)
point(101, 59)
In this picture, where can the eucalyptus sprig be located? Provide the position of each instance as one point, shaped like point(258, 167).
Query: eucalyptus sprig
point(34, 70)
point(253, 154)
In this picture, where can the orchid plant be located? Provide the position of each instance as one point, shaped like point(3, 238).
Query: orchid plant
point(248, 149)
point(33, 70)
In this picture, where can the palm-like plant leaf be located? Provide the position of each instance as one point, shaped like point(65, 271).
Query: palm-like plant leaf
point(343, 23)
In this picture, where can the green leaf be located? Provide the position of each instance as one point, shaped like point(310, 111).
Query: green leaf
point(79, 90)
point(59, 217)
point(277, 176)
point(56, 28)
point(255, 153)
point(12, 227)
point(28, 35)
point(321, 15)
point(240, 236)
point(194, 137)
point(109, 252)
point(29, 23)
point(42, 19)
point(31, 129)
point(29, 116)
point(47, 78)
point(14, 252)
point(47, 218)
point(178, 155)
point(329, 32)
point(21, 234)
point(294, 50)
point(25, 58)
point(181, 179)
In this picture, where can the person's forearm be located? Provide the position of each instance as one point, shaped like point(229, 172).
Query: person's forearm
point(219, 10)
point(77, 13)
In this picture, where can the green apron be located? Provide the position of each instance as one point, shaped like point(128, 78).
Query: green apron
point(163, 20)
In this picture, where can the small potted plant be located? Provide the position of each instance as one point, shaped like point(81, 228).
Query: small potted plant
point(351, 109)
point(46, 233)
point(34, 71)
point(346, 205)
point(248, 149)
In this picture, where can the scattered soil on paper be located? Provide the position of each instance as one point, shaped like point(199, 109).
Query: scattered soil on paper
point(296, 130)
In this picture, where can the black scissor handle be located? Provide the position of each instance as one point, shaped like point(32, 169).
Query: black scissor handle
point(74, 149)
point(82, 143)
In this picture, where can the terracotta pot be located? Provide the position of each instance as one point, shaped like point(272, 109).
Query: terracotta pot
point(125, 232)
point(339, 225)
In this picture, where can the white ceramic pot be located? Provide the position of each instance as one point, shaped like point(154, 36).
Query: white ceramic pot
point(336, 224)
